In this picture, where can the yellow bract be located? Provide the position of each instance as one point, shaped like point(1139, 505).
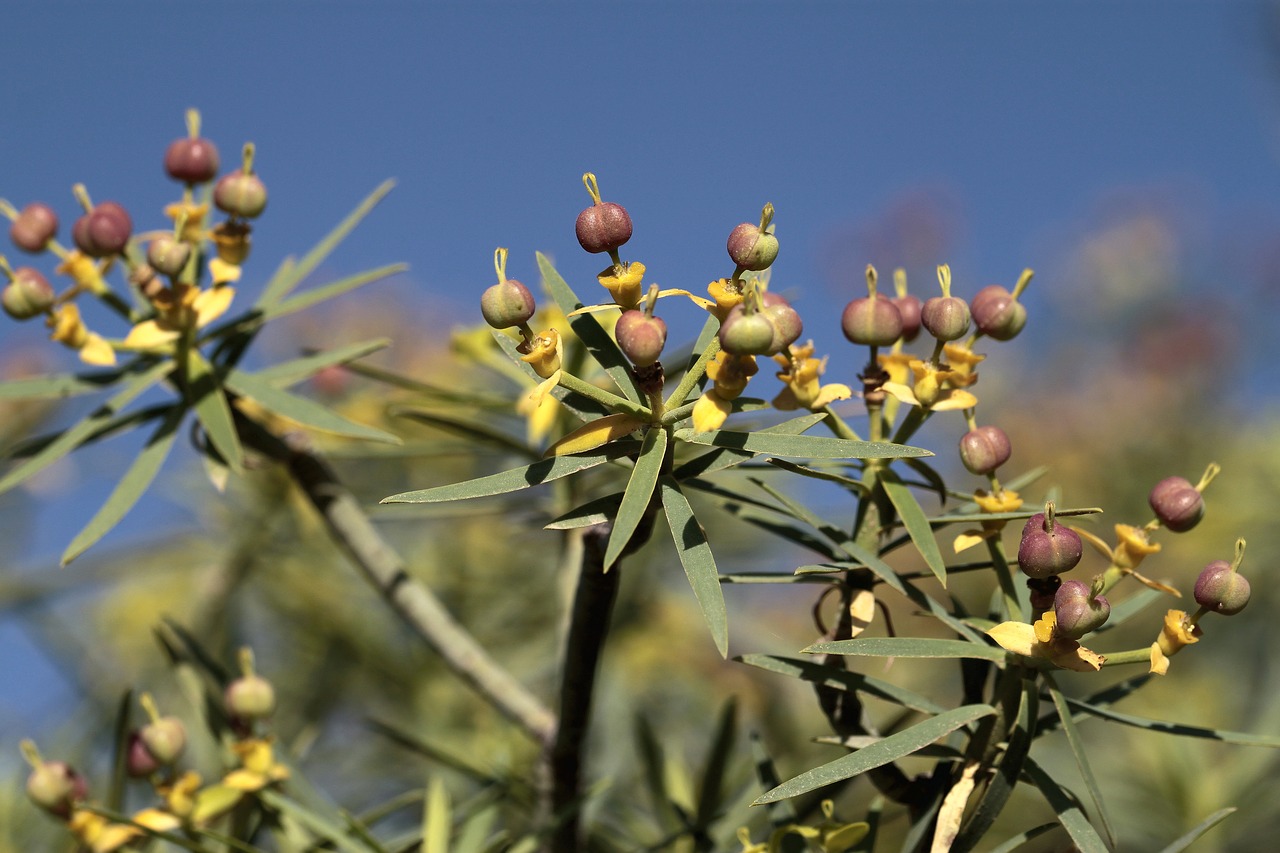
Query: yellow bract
point(600, 431)
point(625, 285)
point(803, 390)
point(1038, 641)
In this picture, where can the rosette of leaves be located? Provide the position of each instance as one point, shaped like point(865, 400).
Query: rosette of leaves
point(631, 426)
point(200, 381)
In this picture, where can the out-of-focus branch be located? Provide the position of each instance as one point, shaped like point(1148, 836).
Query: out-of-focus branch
point(385, 570)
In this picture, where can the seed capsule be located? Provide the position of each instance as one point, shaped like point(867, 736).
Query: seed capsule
point(1177, 504)
point(1221, 589)
point(786, 322)
point(984, 449)
point(191, 160)
point(103, 231)
point(604, 226)
point(997, 313)
point(746, 334)
point(871, 321)
point(641, 337)
point(28, 295)
point(1046, 550)
point(35, 226)
point(56, 787)
point(506, 304)
point(167, 255)
point(1078, 613)
point(909, 309)
point(240, 194)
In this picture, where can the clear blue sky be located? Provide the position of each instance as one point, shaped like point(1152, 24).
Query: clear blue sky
point(1019, 119)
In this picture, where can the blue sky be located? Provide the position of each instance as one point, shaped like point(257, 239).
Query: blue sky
point(1015, 124)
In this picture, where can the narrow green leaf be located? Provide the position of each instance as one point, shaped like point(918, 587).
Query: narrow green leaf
point(436, 820)
point(914, 519)
point(908, 647)
point(595, 511)
point(813, 473)
point(635, 500)
point(781, 812)
point(175, 838)
point(588, 329)
point(698, 561)
point(319, 824)
point(889, 749)
point(210, 404)
point(301, 410)
point(474, 428)
point(654, 765)
point(438, 754)
point(287, 373)
point(542, 471)
point(723, 457)
point(583, 408)
point(1020, 515)
point(130, 488)
point(1082, 759)
point(120, 750)
point(62, 385)
point(710, 792)
point(1016, 842)
point(1007, 772)
point(1182, 842)
point(843, 679)
point(1068, 810)
point(476, 829)
point(289, 275)
point(808, 446)
point(72, 437)
point(1168, 728)
point(333, 289)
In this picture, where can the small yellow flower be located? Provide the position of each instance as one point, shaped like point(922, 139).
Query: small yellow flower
point(69, 329)
point(1038, 641)
point(937, 388)
point(231, 239)
point(1006, 500)
point(179, 797)
point(84, 270)
point(542, 353)
point(730, 373)
point(258, 766)
point(726, 294)
point(711, 411)
point(182, 308)
point(1177, 632)
point(963, 361)
point(193, 227)
point(625, 286)
point(803, 391)
point(1132, 546)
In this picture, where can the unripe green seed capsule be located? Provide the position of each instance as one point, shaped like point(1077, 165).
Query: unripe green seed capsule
point(750, 248)
point(168, 255)
point(56, 787)
point(250, 697)
point(507, 304)
point(28, 295)
point(746, 334)
point(240, 195)
point(165, 738)
point(946, 317)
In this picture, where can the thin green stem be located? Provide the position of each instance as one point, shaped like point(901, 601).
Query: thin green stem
point(1000, 562)
point(693, 374)
point(607, 398)
point(1131, 656)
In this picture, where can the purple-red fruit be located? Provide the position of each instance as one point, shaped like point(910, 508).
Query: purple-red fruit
point(1177, 504)
point(240, 194)
point(787, 325)
point(997, 314)
point(984, 449)
point(506, 304)
point(946, 317)
point(641, 337)
point(1220, 589)
point(746, 334)
point(35, 226)
point(909, 308)
point(750, 248)
point(1077, 613)
point(603, 227)
point(139, 762)
point(192, 161)
point(103, 231)
point(871, 321)
point(56, 787)
point(1043, 552)
point(28, 295)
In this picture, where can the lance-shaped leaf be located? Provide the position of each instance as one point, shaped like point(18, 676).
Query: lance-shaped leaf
point(300, 410)
point(289, 275)
point(542, 471)
point(287, 373)
point(1006, 773)
point(317, 823)
point(315, 296)
point(474, 428)
point(882, 752)
point(843, 679)
point(635, 500)
point(1166, 727)
point(62, 385)
point(808, 446)
point(722, 457)
point(588, 329)
point(596, 433)
point(908, 647)
point(1068, 810)
point(73, 436)
point(711, 790)
point(1182, 842)
point(209, 401)
point(916, 522)
point(595, 511)
point(437, 820)
point(697, 559)
point(1082, 759)
point(130, 488)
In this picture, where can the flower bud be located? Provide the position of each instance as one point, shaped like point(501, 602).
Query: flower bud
point(1079, 612)
point(241, 194)
point(27, 295)
point(641, 337)
point(1047, 548)
point(1221, 589)
point(984, 449)
point(997, 313)
point(192, 160)
point(168, 255)
point(250, 697)
point(786, 322)
point(751, 246)
point(746, 334)
point(871, 321)
point(165, 738)
point(604, 226)
point(507, 304)
point(56, 787)
point(946, 317)
point(103, 231)
point(909, 309)
point(1177, 504)
point(35, 226)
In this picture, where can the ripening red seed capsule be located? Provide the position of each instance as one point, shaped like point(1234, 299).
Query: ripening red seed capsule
point(871, 321)
point(786, 322)
point(103, 231)
point(1077, 613)
point(1221, 589)
point(1177, 504)
point(35, 226)
point(997, 314)
point(984, 449)
point(641, 337)
point(191, 160)
point(1044, 551)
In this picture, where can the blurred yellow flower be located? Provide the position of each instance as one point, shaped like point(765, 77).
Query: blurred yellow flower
point(1038, 641)
point(803, 391)
point(69, 329)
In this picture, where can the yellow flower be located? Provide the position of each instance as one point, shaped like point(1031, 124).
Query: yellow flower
point(625, 286)
point(937, 388)
point(1177, 632)
point(258, 766)
point(726, 295)
point(962, 361)
point(69, 329)
point(710, 412)
point(232, 241)
point(193, 227)
point(1132, 546)
point(179, 797)
point(182, 308)
point(542, 353)
point(730, 373)
point(803, 391)
point(1006, 500)
point(85, 271)
point(1038, 641)
point(99, 834)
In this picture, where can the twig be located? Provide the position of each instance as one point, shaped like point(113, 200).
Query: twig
point(385, 570)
